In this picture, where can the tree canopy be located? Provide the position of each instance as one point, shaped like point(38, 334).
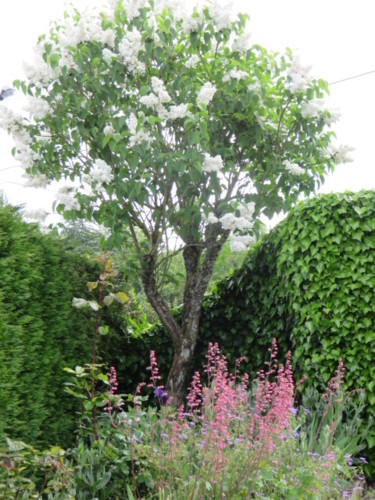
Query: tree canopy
point(169, 125)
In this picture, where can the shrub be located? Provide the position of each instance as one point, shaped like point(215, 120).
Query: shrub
point(231, 440)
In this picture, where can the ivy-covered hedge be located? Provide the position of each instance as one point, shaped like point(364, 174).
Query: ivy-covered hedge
point(309, 283)
point(40, 332)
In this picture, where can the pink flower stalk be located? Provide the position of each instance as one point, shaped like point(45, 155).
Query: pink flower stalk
point(154, 370)
point(194, 396)
point(273, 401)
point(113, 401)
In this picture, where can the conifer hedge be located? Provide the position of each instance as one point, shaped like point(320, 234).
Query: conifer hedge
point(40, 332)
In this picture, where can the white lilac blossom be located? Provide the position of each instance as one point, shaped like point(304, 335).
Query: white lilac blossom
point(176, 112)
point(221, 14)
point(311, 109)
point(332, 116)
point(24, 152)
point(192, 61)
point(36, 180)
point(159, 89)
point(108, 129)
point(247, 210)
point(210, 219)
point(88, 28)
point(39, 72)
point(150, 100)
point(340, 152)
point(66, 196)
point(245, 222)
point(254, 87)
point(100, 173)
point(240, 243)
point(38, 107)
point(241, 43)
point(297, 76)
point(133, 8)
point(190, 24)
point(160, 96)
point(137, 137)
point(236, 75)
point(129, 49)
point(39, 215)
point(9, 119)
point(108, 55)
point(212, 163)
point(206, 93)
point(293, 168)
point(157, 98)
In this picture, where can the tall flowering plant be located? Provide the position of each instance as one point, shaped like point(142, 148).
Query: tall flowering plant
point(163, 121)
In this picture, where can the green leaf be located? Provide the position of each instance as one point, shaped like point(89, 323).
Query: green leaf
point(94, 305)
point(79, 303)
point(122, 298)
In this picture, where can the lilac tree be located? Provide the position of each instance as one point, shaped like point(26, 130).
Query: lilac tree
point(168, 126)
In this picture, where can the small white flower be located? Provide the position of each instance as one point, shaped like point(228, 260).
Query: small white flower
point(37, 215)
point(228, 221)
point(241, 44)
point(192, 61)
point(221, 14)
point(190, 24)
point(38, 107)
point(108, 129)
point(254, 87)
point(240, 243)
point(232, 223)
point(212, 164)
point(332, 116)
point(66, 196)
point(293, 168)
point(36, 181)
point(159, 89)
point(176, 112)
point(129, 49)
point(340, 152)
point(150, 100)
point(101, 173)
point(210, 219)
point(236, 75)
point(298, 76)
point(108, 55)
point(137, 137)
point(206, 93)
point(311, 109)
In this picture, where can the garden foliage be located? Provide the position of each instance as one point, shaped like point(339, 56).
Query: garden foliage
point(310, 284)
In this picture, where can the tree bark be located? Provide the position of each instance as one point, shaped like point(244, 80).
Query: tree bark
point(184, 336)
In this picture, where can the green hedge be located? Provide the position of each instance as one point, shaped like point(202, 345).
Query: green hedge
point(40, 332)
point(309, 283)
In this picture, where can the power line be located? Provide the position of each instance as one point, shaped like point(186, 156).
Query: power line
point(352, 77)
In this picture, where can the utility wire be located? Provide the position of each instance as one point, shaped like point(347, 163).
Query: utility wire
point(352, 77)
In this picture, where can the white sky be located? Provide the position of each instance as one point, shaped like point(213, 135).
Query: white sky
point(335, 37)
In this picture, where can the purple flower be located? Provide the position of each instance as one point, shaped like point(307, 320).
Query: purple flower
point(362, 459)
point(294, 411)
point(161, 394)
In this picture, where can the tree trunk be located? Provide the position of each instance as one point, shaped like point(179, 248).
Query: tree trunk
point(184, 336)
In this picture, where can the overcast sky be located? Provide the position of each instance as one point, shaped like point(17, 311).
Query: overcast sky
point(335, 37)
